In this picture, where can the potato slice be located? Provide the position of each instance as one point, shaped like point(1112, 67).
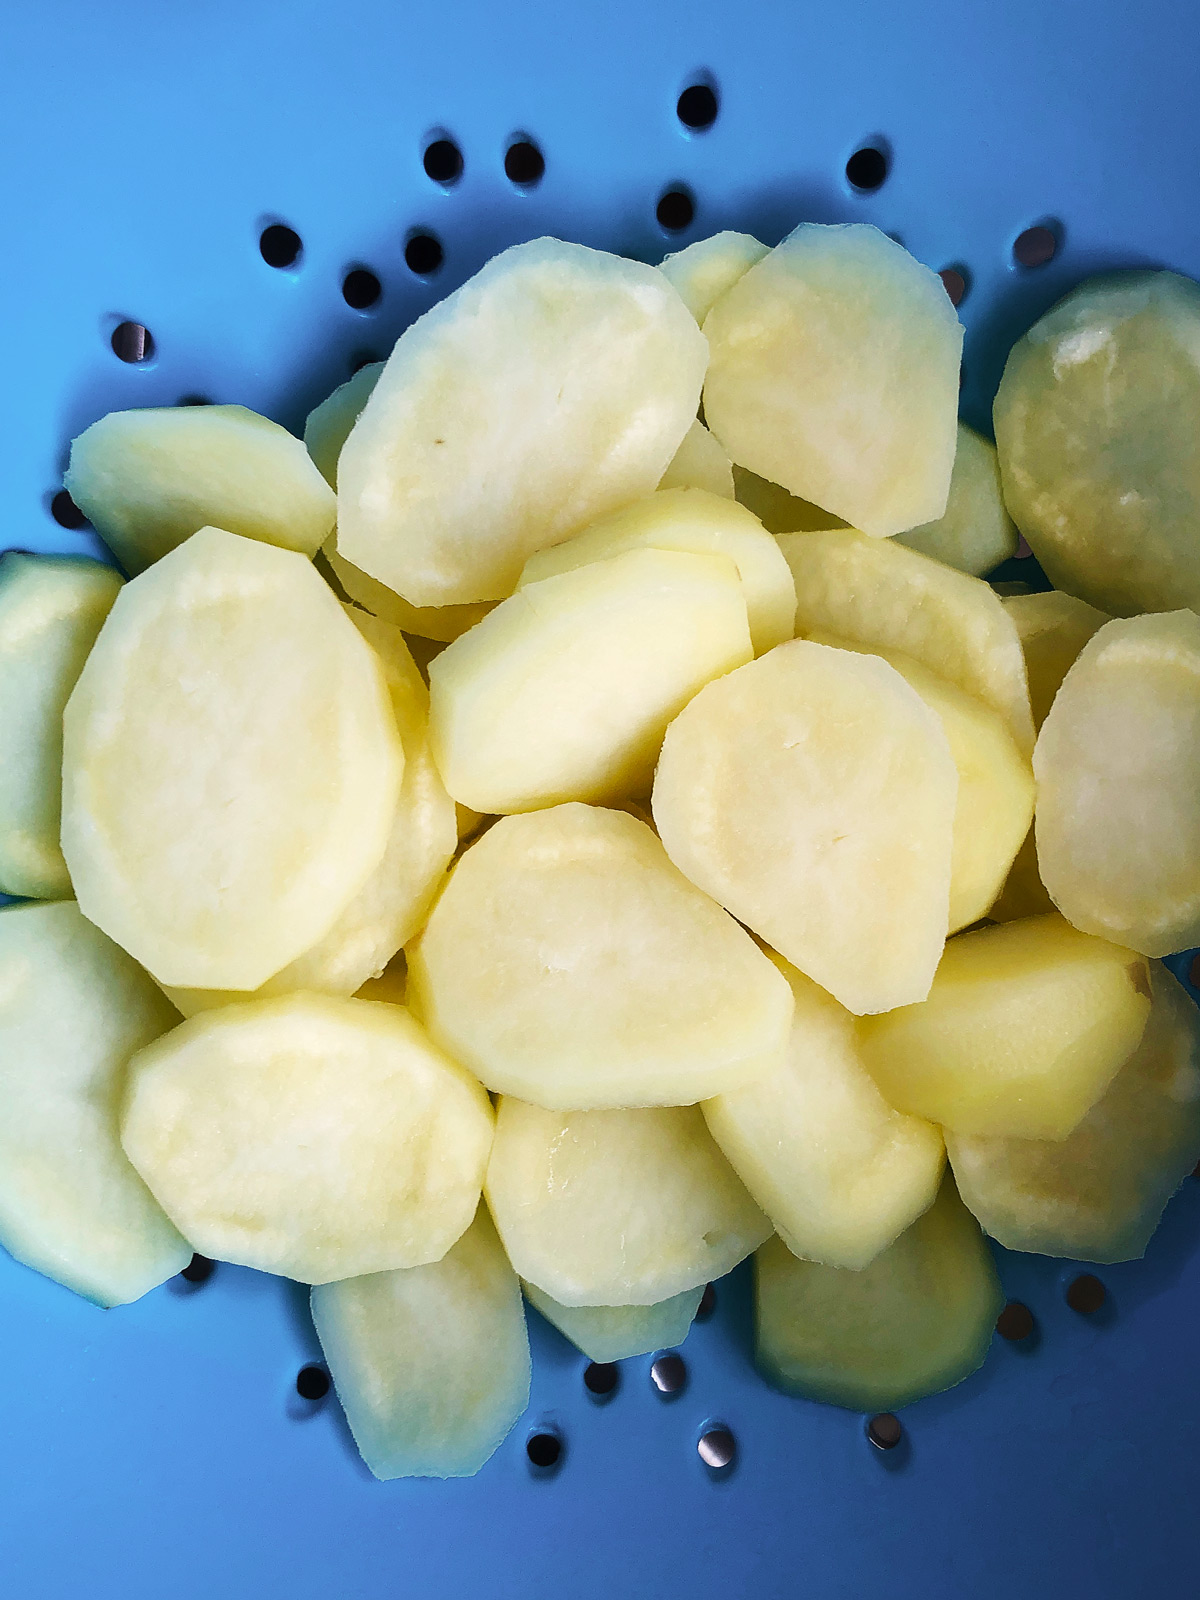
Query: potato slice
point(231, 765)
point(615, 1333)
point(315, 1137)
point(73, 1009)
point(328, 425)
point(880, 595)
point(442, 623)
point(1053, 629)
point(568, 962)
point(616, 1208)
point(918, 1320)
point(1118, 769)
point(147, 480)
point(431, 1364)
point(776, 509)
point(550, 389)
point(565, 691)
point(691, 520)
point(1098, 1194)
point(51, 608)
point(812, 794)
point(834, 373)
point(1096, 420)
point(1025, 1027)
point(975, 532)
point(699, 463)
point(702, 272)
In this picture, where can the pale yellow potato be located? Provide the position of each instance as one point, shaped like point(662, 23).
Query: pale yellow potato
point(616, 1208)
point(442, 623)
point(1053, 628)
point(1024, 893)
point(699, 463)
point(615, 1333)
point(833, 372)
point(431, 1364)
point(693, 520)
point(702, 272)
point(879, 595)
point(776, 509)
point(1098, 1194)
point(550, 389)
point(568, 962)
point(148, 479)
point(1118, 773)
point(565, 691)
point(975, 532)
point(1025, 1027)
point(838, 1172)
point(328, 425)
point(231, 764)
point(812, 794)
point(314, 1137)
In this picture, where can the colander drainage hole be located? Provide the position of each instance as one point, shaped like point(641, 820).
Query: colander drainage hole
point(866, 169)
point(312, 1383)
point(423, 254)
point(955, 280)
point(524, 163)
point(443, 162)
point(199, 1269)
point(279, 245)
point(668, 1373)
point(65, 512)
point(132, 342)
point(884, 1431)
point(361, 289)
point(1015, 1322)
point(1086, 1294)
point(697, 107)
point(675, 210)
point(601, 1377)
point(717, 1448)
point(1035, 247)
point(543, 1450)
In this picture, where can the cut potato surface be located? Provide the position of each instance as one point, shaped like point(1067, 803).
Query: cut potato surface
point(703, 271)
point(231, 764)
point(147, 480)
point(776, 509)
point(812, 793)
point(691, 519)
point(699, 463)
point(315, 1137)
point(834, 373)
point(616, 1208)
point(1096, 420)
point(1118, 771)
point(442, 623)
point(615, 1333)
point(568, 962)
point(431, 1364)
point(1053, 628)
point(975, 532)
point(918, 1320)
point(328, 425)
point(565, 691)
point(73, 1009)
point(1098, 1194)
point(550, 389)
point(1025, 1027)
point(882, 596)
point(51, 609)
point(837, 1171)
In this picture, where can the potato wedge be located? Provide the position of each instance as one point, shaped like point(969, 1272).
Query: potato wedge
point(328, 425)
point(615, 1333)
point(702, 271)
point(699, 463)
point(975, 532)
point(1053, 629)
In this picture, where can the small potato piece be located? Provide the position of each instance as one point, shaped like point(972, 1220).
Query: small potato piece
point(314, 1137)
point(703, 271)
point(147, 480)
point(616, 1208)
point(431, 1364)
point(918, 1320)
point(879, 595)
point(73, 1009)
point(699, 463)
point(812, 794)
point(615, 1333)
point(834, 373)
point(1118, 771)
point(696, 521)
point(51, 609)
point(838, 1172)
point(975, 533)
point(1098, 1194)
point(550, 389)
point(442, 623)
point(776, 509)
point(1053, 628)
point(565, 691)
point(328, 425)
point(569, 963)
point(1025, 1027)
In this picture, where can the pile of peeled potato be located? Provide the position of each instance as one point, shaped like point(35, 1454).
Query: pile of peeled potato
point(598, 823)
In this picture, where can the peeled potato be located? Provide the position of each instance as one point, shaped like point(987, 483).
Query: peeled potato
point(838, 1172)
point(616, 1208)
point(550, 389)
point(1025, 1027)
point(614, 1333)
point(1053, 628)
point(431, 1364)
point(231, 764)
point(442, 623)
point(569, 963)
point(565, 691)
point(975, 532)
point(147, 480)
point(1098, 1194)
point(699, 463)
point(314, 1137)
point(879, 595)
point(703, 271)
point(73, 1008)
point(328, 425)
point(918, 1320)
point(1118, 771)
point(690, 519)
point(51, 609)
point(834, 373)
point(812, 794)
point(776, 509)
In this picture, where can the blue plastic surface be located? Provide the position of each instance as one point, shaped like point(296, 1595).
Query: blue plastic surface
point(161, 1449)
